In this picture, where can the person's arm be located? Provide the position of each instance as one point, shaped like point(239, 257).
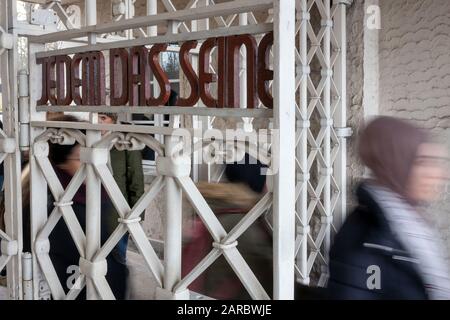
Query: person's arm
point(135, 176)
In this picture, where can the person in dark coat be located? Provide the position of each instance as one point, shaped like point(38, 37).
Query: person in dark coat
point(388, 247)
point(64, 255)
point(126, 166)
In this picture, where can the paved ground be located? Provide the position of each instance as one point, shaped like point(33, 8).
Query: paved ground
point(141, 284)
point(3, 293)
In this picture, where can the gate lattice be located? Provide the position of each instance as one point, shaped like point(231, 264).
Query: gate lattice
point(309, 144)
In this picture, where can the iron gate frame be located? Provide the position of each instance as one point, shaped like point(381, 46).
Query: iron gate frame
point(290, 21)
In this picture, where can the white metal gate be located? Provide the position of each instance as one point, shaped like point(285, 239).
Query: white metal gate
point(309, 115)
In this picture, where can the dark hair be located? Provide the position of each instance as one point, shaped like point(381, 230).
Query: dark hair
point(58, 154)
point(111, 115)
point(248, 173)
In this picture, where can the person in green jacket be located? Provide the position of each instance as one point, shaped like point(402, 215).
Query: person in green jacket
point(127, 171)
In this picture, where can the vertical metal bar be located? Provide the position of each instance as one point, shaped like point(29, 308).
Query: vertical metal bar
point(196, 155)
point(27, 274)
point(93, 214)
point(173, 230)
point(325, 123)
point(203, 170)
point(246, 122)
point(152, 9)
point(38, 204)
point(24, 111)
point(128, 15)
point(158, 118)
point(243, 21)
point(93, 183)
point(302, 147)
point(340, 116)
point(90, 11)
point(12, 169)
point(173, 220)
point(284, 149)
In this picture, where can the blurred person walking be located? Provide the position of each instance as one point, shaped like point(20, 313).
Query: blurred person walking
point(65, 160)
point(231, 200)
point(388, 248)
point(127, 170)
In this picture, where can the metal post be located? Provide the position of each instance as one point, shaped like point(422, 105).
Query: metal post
point(12, 169)
point(90, 11)
point(325, 124)
point(24, 111)
point(172, 228)
point(38, 204)
point(174, 219)
point(203, 171)
point(93, 183)
point(302, 147)
point(284, 149)
point(340, 116)
point(27, 275)
point(152, 9)
point(93, 213)
point(246, 122)
point(128, 15)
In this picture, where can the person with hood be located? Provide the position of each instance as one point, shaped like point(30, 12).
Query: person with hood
point(64, 255)
point(388, 247)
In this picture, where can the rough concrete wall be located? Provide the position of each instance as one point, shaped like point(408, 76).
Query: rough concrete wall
point(415, 71)
point(355, 92)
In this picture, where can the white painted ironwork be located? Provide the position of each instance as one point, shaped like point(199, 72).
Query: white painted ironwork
point(308, 143)
point(321, 87)
point(11, 237)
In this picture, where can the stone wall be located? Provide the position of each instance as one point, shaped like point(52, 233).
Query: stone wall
point(355, 92)
point(415, 72)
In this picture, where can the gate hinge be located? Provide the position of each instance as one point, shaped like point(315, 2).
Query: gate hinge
point(6, 40)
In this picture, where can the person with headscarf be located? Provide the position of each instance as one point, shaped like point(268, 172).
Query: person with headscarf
point(388, 247)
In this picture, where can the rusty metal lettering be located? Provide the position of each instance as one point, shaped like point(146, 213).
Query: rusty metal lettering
point(93, 79)
point(222, 77)
point(205, 77)
point(138, 77)
point(81, 79)
point(160, 76)
point(63, 71)
point(75, 79)
point(51, 80)
point(234, 56)
point(118, 70)
point(264, 73)
point(44, 97)
point(190, 74)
